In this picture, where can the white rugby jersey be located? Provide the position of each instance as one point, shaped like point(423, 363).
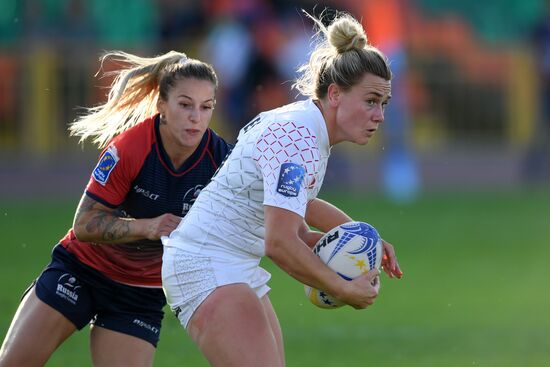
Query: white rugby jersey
point(279, 160)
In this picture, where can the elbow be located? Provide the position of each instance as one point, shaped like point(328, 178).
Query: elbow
point(273, 249)
point(270, 248)
point(80, 231)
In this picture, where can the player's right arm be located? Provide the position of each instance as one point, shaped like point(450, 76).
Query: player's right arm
point(95, 222)
point(286, 249)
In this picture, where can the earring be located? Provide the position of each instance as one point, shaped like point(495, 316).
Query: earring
point(162, 119)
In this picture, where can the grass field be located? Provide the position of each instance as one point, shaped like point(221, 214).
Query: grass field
point(475, 292)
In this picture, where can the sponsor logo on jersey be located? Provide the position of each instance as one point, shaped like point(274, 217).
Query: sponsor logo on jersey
point(148, 194)
point(190, 197)
point(291, 177)
point(67, 286)
point(105, 166)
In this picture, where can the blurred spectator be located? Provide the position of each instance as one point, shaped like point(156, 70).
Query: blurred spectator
point(537, 161)
point(9, 21)
point(243, 43)
point(231, 63)
point(77, 24)
point(180, 22)
point(9, 31)
point(296, 43)
point(126, 24)
point(384, 22)
point(264, 81)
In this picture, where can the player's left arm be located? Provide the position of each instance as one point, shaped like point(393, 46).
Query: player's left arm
point(322, 216)
point(308, 236)
point(325, 216)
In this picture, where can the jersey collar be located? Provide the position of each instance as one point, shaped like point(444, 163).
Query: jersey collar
point(320, 129)
point(191, 162)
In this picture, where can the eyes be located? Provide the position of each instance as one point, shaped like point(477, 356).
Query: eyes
point(372, 102)
point(190, 106)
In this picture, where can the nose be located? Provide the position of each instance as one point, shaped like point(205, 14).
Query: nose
point(194, 115)
point(378, 115)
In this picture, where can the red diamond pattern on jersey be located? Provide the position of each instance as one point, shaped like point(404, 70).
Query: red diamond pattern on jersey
point(288, 142)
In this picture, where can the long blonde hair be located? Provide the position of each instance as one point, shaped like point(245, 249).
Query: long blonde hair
point(342, 55)
point(134, 92)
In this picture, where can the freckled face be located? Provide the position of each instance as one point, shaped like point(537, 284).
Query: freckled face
point(361, 109)
point(187, 112)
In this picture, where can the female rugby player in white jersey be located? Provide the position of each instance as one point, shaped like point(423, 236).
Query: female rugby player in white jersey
point(259, 201)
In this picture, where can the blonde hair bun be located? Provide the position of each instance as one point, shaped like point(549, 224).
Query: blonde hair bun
point(346, 34)
point(331, 62)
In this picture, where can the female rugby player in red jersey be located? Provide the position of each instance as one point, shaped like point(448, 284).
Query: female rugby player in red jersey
point(158, 153)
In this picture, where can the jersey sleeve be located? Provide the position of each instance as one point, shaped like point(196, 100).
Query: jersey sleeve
point(288, 157)
point(112, 176)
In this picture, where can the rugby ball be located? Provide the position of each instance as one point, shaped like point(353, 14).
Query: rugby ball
point(350, 249)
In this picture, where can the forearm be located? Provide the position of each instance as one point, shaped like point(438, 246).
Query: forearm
point(296, 259)
point(325, 216)
point(283, 244)
point(102, 227)
point(95, 222)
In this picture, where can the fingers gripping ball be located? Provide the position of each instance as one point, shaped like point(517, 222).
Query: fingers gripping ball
point(350, 249)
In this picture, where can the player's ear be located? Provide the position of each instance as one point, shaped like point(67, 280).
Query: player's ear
point(333, 95)
point(160, 105)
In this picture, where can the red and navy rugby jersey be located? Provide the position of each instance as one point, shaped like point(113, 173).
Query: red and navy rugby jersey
point(135, 176)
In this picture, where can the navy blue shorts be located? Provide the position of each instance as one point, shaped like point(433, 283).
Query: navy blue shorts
point(84, 295)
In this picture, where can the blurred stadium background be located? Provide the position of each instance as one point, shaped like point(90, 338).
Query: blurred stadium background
point(465, 114)
point(462, 162)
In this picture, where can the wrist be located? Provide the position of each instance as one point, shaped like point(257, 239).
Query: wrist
point(340, 289)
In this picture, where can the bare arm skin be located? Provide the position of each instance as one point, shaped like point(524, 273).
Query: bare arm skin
point(94, 222)
point(285, 247)
point(324, 216)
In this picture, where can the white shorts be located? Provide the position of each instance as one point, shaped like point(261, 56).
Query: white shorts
point(188, 278)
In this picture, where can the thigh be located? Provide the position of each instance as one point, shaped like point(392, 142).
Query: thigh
point(136, 312)
point(68, 292)
point(231, 328)
point(112, 349)
point(36, 331)
point(275, 326)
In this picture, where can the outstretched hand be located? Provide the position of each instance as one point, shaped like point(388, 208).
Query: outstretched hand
point(389, 261)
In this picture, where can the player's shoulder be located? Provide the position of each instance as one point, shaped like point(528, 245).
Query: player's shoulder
point(286, 120)
point(301, 113)
point(295, 118)
point(136, 140)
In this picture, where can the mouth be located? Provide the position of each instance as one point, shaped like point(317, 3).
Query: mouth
point(192, 131)
point(370, 132)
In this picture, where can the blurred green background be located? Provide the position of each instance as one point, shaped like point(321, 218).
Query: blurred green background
point(458, 178)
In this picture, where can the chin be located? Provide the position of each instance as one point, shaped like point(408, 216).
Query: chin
point(190, 143)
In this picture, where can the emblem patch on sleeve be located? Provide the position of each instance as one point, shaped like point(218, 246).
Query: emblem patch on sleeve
point(290, 179)
point(105, 166)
